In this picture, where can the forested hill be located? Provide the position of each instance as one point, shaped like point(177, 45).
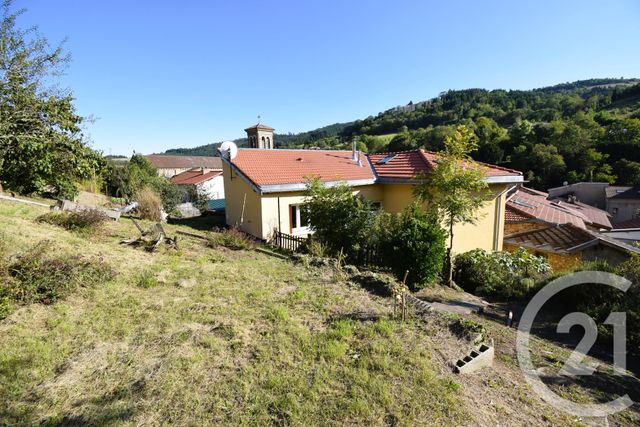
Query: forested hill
point(284, 140)
point(568, 132)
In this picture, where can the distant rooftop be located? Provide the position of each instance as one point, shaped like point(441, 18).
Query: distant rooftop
point(184, 162)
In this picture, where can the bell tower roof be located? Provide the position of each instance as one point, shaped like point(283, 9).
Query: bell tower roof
point(260, 126)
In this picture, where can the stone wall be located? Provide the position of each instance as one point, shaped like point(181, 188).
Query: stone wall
point(519, 227)
point(558, 262)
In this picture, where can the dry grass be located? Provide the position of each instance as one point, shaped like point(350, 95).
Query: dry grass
point(149, 204)
point(212, 336)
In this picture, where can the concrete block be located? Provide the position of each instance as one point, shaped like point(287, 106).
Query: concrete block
point(67, 205)
point(476, 360)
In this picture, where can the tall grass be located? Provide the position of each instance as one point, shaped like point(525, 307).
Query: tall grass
point(149, 204)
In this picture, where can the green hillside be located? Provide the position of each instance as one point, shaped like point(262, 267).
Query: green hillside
point(570, 132)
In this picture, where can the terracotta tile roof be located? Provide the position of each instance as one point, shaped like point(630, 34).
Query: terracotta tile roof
point(621, 192)
point(194, 177)
point(631, 223)
point(597, 217)
point(278, 167)
point(556, 211)
point(512, 215)
point(184, 162)
point(535, 204)
point(557, 238)
point(408, 164)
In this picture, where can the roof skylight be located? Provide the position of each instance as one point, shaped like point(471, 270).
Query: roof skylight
point(386, 159)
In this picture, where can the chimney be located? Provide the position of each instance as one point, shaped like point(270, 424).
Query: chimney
point(354, 153)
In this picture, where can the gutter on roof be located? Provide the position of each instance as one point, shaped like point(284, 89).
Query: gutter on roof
point(606, 242)
point(284, 188)
point(504, 179)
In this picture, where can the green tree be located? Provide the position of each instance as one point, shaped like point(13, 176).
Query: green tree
point(456, 189)
point(548, 166)
point(412, 240)
point(628, 172)
point(41, 143)
point(340, 219)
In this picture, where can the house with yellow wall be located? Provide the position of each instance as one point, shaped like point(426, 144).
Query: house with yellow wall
point(264, 188)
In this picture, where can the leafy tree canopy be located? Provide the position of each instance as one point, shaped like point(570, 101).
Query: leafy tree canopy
point(41, 143)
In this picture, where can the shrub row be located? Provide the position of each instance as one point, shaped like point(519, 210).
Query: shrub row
point(500, 274)
point(349, 226)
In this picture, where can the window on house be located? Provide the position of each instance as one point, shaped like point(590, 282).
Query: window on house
point(614, 211)
point(298, 220)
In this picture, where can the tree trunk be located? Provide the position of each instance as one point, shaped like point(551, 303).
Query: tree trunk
point(449, 272)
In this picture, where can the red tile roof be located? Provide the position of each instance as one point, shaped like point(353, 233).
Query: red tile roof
point(184, 162)
point(535, 204)
point(278, 167)
point(512, 215)
point(409, 164)
point(194, 177)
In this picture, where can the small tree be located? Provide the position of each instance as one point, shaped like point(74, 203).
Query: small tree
point(456, 189)
point(412, 240)
point(339, 218)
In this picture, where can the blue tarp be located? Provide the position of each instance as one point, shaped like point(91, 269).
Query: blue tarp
point(216, 204)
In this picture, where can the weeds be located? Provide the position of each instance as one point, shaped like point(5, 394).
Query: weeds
point(231, 238)
point(85, 222)
point(147, 280)
point(36, 276)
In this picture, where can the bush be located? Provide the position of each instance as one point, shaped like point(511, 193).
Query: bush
point(340, 219)
point(87, 221)
point(129, 180)
point(149, 204)
point(500, 274)
point(231, 238)
point(412, 240)
point(37, 276)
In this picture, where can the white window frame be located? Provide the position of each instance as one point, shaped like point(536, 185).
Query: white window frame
point(297, 228)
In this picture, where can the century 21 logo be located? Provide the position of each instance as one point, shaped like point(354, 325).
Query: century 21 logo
point(573, 365)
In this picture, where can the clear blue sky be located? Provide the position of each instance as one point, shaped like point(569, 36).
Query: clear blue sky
point(165, 74)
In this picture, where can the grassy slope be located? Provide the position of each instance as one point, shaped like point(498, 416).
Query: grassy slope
point(240, 338)
point(225, 338)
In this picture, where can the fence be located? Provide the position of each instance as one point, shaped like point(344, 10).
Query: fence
point(288, 242)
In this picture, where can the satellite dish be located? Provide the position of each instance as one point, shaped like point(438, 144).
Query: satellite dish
point(228, 150)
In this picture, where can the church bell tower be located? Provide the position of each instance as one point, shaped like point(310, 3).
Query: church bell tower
point(260, 136)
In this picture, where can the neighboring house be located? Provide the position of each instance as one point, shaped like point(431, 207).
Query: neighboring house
point(169, 166)
point(627, 231)
point(265, 189)
point(566, 246)
point(621, 202)
point(529, 209)
point(209, 185)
